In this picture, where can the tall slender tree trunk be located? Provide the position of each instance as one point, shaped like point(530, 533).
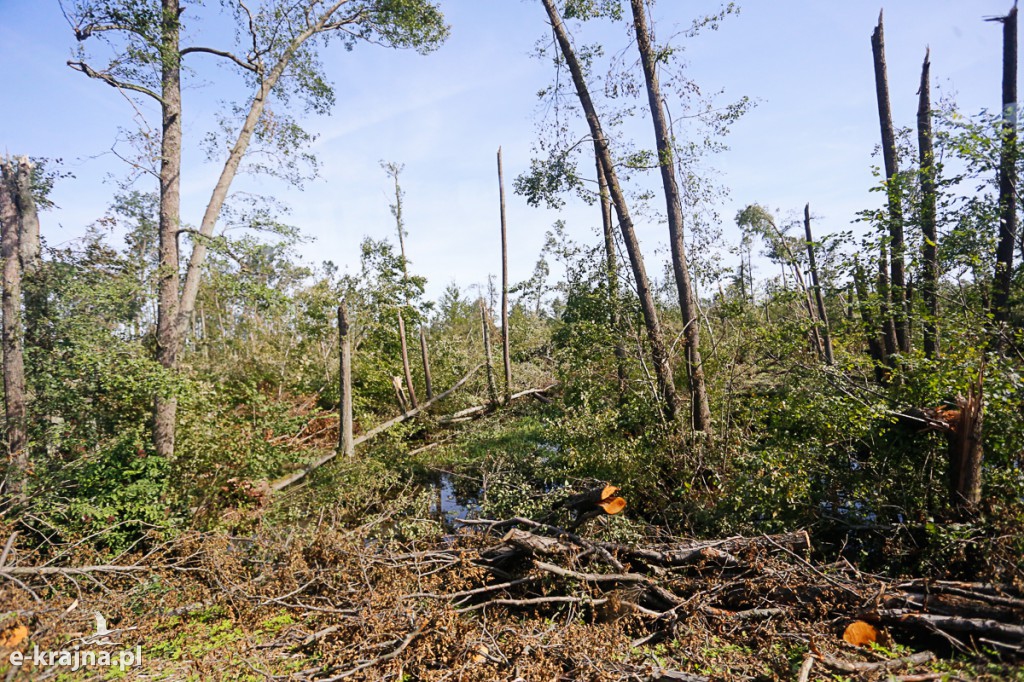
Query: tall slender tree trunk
point(346, 445)
point(12, 335)
point(659, 353)
point(826, 330)
point(897, 289)
point(394, 170)
point(700, 410)
point(505, 355)
point(168, 336)
point(485, 324)
point(612, 268)
point(405, 362)
point(890, 342)
point(1007, 174)
point(930, 271)
point(425, 354)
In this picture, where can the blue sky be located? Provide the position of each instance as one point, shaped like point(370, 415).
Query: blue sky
point(807, 64)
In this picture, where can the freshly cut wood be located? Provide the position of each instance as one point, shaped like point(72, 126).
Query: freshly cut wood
point(859, 633)
point(612, 506)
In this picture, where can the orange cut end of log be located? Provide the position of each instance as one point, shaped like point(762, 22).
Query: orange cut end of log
point(608, 492)
point(613, 506)
point(859, 633)
point(13, 636)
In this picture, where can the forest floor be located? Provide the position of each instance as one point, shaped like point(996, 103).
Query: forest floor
point(387, 582)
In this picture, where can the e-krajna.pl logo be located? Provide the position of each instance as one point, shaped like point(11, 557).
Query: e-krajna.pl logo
point(76, 659)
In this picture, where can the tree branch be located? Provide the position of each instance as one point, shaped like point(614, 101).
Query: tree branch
point(111, 81)
point(221, 53)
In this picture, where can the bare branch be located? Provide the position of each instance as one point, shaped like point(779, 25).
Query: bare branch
point(221, 53)
point(111, 81)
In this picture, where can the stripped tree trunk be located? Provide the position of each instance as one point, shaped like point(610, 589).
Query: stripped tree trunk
point(426, 365)
point(405, 362)
point(897, 290)
point(1007, 174)
point(826, 331)
point(930, 274)
point(13, 360)
point(345, 443)
point(700, 410)
point(485, 323)
point(611, 265)
point(506, 357)
point(659, 352)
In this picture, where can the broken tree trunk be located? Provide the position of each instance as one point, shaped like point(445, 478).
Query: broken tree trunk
point(929, 249)
point(700, 412)
point(288, 480)
point(345, 444)
point(426, 364)
point(659, 351)
point(12, 335)
point(485, 323)
point(396, 383)
point(822, 313)
point(1007, 174)
point(965, 452)
point(505, 356)
point(897, 292)
point(405, 362)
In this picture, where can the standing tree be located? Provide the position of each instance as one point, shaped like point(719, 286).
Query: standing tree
point(700, 418)
point(659, 352)
point(1007, 173)
point(895, 314)
point(13, 483)
point(930, 266)
point(506, 358)
point(278, 59)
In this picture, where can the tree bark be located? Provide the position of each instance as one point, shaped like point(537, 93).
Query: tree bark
point(405, 362)
point(700, 411)
point(930, 270)
point(826, 331)
point(28, 216)
point(506, 357)
point(345, 444)
point(12, 334)
point(165, 407)
point(485, 324)
point(611, 265)
point(424, 353)
point(1007, 174)
point(659, 353)
point(897, 290)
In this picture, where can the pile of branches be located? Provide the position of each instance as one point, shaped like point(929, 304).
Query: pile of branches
point(499, 600)
point(743, 581)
